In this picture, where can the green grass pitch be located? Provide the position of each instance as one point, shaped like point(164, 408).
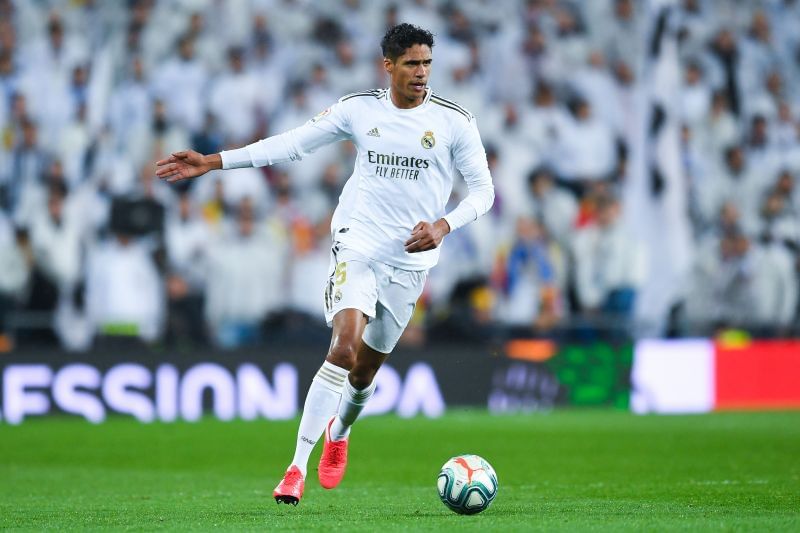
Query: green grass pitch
point(567, 470)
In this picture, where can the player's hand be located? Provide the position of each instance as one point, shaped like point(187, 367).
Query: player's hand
point(186, 164)
point(427, 236)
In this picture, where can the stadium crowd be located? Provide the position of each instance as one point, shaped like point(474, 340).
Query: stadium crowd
point(92, 93)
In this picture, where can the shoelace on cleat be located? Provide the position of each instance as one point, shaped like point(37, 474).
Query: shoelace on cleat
point(337, 452)
point(293, 476)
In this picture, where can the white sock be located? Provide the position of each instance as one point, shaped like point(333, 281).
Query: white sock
point(353, 402)
point(321, 404)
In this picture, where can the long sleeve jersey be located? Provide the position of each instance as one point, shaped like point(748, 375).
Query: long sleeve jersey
point(404, 169)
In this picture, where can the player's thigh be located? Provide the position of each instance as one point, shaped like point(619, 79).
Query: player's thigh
point(398, 292)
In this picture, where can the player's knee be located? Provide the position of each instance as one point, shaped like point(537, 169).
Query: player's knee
point(343, 354)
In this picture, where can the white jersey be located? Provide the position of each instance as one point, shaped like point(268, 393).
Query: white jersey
point(403, 173)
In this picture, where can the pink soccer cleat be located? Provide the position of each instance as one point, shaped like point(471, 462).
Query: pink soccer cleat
point(333, 460)
point(290, 489)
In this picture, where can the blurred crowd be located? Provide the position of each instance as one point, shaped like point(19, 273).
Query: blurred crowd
point(92, 93)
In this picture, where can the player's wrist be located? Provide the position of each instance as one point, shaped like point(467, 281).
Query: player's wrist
point(213, 161)
point(443, 226)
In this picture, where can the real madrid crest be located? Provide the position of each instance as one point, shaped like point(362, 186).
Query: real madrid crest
point(337, 297)
point(427, 140)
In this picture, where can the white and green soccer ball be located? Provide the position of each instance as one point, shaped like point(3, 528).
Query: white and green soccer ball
point(467, 484)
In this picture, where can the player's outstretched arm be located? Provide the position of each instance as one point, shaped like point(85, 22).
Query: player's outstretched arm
point(427, 236)
point(187, 164)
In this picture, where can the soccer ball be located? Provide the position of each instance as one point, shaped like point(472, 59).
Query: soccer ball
point(467, 484)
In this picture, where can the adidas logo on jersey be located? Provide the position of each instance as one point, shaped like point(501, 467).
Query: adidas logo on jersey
point(373, 132)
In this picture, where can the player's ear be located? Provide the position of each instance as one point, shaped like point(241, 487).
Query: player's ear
point(388, 65)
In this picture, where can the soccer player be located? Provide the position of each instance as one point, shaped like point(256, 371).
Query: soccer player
point(386, 230)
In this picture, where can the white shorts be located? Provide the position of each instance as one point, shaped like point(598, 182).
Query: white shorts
point(385, 294)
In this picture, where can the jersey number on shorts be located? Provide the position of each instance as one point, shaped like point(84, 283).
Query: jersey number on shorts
point(341, 274)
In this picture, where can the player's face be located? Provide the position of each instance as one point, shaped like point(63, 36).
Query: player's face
point(409, 75)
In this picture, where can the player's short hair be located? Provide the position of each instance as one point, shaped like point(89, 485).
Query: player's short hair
point(403, 36)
